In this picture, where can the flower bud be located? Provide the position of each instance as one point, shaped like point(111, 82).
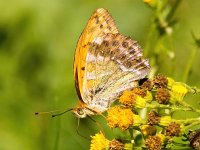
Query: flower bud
point(178, 91)
point(165, 120)
point(140, 102)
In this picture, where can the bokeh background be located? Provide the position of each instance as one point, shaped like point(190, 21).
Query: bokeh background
point(37, 43)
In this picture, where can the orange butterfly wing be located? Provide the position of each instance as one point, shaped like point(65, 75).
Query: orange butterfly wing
point(99, 24)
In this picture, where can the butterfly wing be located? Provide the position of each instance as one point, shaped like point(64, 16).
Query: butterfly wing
point(99, 24)
point(113, 63)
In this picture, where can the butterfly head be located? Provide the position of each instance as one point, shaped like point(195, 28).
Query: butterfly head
point(80, 112)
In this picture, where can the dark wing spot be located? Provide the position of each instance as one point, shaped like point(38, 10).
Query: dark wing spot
point(125, 44)
point(123, 56)
point(97, 20)
point(105, 43)
point(101, 26)
point(82, 68)
point(115, 43)
point(128, 64)
point(112, 53)
point(101, 53)
point(97, 90)
point(131, 50)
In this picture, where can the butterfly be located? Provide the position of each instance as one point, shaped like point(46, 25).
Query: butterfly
point(106, 63)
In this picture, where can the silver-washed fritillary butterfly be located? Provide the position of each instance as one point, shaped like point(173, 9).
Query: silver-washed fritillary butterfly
point(106, 63)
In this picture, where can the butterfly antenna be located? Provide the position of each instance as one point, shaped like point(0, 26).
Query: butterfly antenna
point(61, 113)
point(77, 131)
point(98, 124)
point(50, 112)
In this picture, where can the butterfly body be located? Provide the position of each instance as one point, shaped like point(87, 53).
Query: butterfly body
point(106, 63)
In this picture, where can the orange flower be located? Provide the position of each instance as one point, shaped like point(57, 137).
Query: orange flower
point(128, 98)
point(120, 117)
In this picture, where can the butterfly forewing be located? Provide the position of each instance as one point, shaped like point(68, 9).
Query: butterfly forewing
point(99, 24)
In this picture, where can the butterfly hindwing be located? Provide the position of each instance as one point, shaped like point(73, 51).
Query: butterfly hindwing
point(113, 63)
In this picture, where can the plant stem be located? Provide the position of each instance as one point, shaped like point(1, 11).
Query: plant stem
point(189, 106)
point(189, 65)
point(173, 108)
point(192, 124)
point(188, 121)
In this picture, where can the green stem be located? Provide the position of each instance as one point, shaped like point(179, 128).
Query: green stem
point(192, 124)
point(193, 90)
point(189, 65)
point(189, 106)
point(188, 121)
point(173, 108)
point(149, 39)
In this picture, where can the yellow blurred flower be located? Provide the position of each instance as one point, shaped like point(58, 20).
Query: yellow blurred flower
point(148, 130)
point(140, 91)
point(162, 137)
point(120, 117)
point(136, 120)
point(148, 97)
point(137, 98)
point(140, 102)
point(170, 82)
point(147, 1)
point(165, 120)
point(99, 142)
point(178, 91)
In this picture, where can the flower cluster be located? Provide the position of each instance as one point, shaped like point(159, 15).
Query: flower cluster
point(160, 97)
point(99, 142)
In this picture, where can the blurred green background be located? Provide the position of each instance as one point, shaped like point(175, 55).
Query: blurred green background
point(37, 43)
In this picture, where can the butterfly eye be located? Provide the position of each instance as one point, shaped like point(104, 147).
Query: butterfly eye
point(80, 111)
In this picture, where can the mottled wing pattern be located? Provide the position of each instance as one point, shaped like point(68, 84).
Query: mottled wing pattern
point(98, 25)
point(113, 63)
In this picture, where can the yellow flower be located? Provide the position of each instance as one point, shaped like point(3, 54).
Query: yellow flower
point(170, 82)
point(120, 117)
point(140, 91)
point(136, 120)
point(139, 102)
point(127, 98)
point(148, 130)
point(137, 98)
point(165, 120)
point(99, 142)
point(178, 91)
point(125, 119)
point(162, 137)
point(148, 96)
